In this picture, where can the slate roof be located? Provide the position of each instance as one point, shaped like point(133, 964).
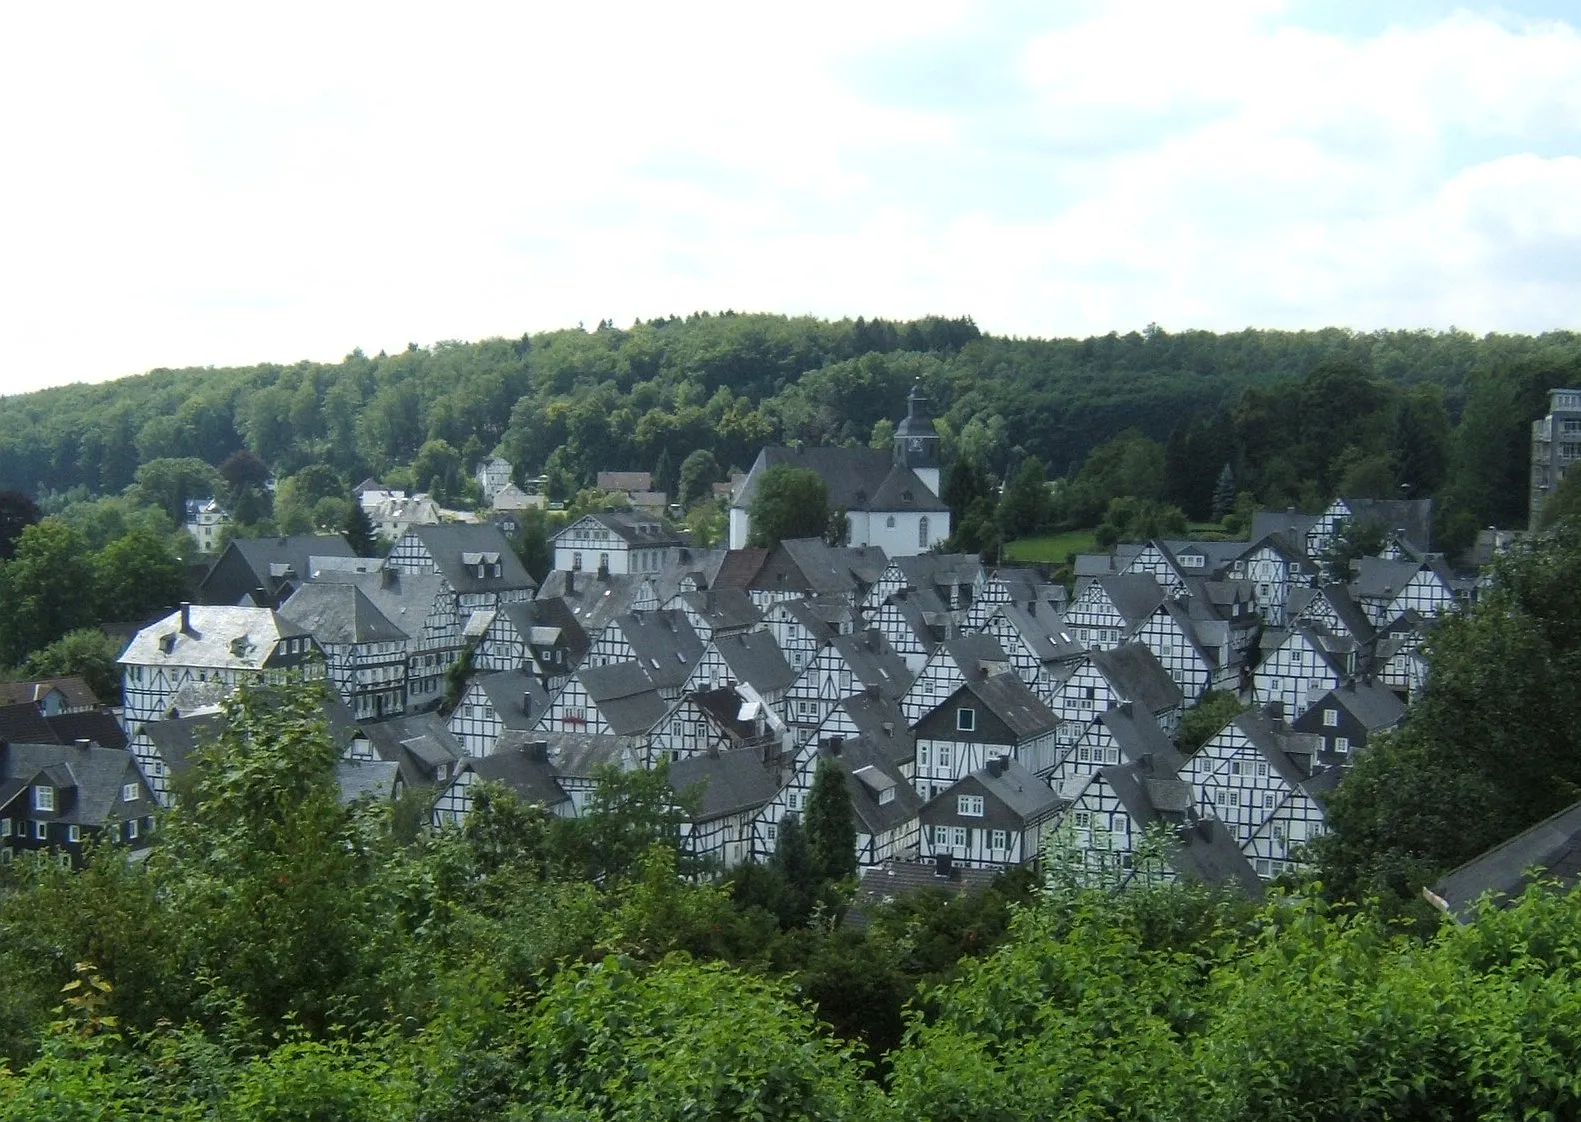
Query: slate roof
point(727, 782)
point(665, 643)
point(1024, 794)
point(97, 725)
point(23, 723)
point(544, 622)
point(73, 690)
point(419, 742)
point(636, 528)
point(625, 695)
point(267, 563)
point(1377, 578)
point(506, 690)
point(874, 662)
point(975, 654)
point(1203, 851)
point(724, 609)
point(1412, 516)
point(806, 566)
point(941, 570)
point(340, 614)
point(1008, 698)
point(1374, 706)
point(862, 764)
point(175, 740)
point(404, 599)
point(882, 725)
point(450, 545)
point(522, 765)
point(92, 776)
point(594, 600)
point(1552, 845)
point(1134, 595)
point(857, 478)
point(1137, 675)
point(209, 639)
point(1043, 632)
point(1273, 743)
point(372, 779)
point(812, 616)
point(755, 658)
point(1288, 524)
point(578, 755)
point(1140, 738)
point(882, 884)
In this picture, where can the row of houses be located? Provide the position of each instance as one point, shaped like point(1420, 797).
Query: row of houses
point(975, 714)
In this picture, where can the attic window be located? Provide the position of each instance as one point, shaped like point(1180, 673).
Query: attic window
point(966, 719)
point(44, 798)
point(129, 792)
point(167, 642)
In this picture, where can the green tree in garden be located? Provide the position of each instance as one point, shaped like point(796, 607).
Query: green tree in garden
point(45, 590)
point(1498, 728)
point(17, 513)
point(532, 543)
point(698, 472)
point(87, 653)
point(359, 531)
point(790, 502)
point(137, 576)
point(831, 825)
point(169, 483)
point(1207, 718)
point(1224, 493)
point(1024, 506)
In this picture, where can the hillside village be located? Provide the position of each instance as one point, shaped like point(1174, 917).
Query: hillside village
point(978, 714)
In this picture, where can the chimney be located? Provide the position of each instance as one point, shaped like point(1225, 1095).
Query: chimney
point(83, 742)
point(186, 617)
point(387, 576)
point(943, 865)
point(889, 728)
point(835, 744)
point(871, 691)
point(538, 750)
point(526, 704)
point(872, 638)
point(1032, 608)
point(996, 766)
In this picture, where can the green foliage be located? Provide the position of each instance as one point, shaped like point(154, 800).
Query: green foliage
point(790, 502)
point(17, 513)
point(698, 472)
point(831, 824)
point(1207, 718)
point(532, 542)
point(1496, 729)
point(87, 653)
point(1024, 506)
point(359, 531)
point(136, 577)
point(41, 590)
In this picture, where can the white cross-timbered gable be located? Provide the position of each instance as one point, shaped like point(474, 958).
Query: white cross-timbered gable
point(687, 730)
point(889, 582)
point(1235, 782)
point(799, 645)
point(898, 631)
point(939, 677)
point(1425, 593)
point(1325, 531)
point(1099, 835)
point(1071, 765)
point(572, 710)
point(1295, 673)
point(1094, 621)
point(1275, 846)
point(1024, 659)
point(1404, 671)
point(724, 842)
point(1078, 699)
point(475, 723)
point(817, 690)
point(1271, 575)
point(1153, 561)
point(961, 735)
point(1167, 637)
point(369, 677)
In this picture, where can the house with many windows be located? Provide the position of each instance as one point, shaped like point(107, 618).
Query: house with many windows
point(882, 803)
point(994, 817)
point(982, 719)
point(1344, 720)
point(618, 542)
point(57, 797)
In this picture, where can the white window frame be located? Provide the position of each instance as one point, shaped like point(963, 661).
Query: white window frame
point(129, 792)
point(44, 798)
point(74, 833)
point(1000, 840)
point(1330, 718)
point(966, 719)
point(969, 806)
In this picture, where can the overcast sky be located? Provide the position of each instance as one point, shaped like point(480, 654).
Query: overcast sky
point(223, 184)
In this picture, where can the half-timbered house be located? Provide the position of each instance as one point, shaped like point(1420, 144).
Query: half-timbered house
point(995, 816)
point(57, 797)
point(845, 665)
point(983, 718)
point(722, 794)
point(365, 653)
point(493, 703)
point(1105, 613)
point(1345, 720)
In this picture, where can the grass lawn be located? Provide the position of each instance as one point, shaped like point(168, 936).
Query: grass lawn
point(1053, 549)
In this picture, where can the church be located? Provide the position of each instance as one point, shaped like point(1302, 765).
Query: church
point(891, 499)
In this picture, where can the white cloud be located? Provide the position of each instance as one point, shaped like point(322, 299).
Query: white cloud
point(208, 185)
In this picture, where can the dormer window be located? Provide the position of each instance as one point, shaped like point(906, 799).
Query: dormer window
point(129, 792)
point(43, 798)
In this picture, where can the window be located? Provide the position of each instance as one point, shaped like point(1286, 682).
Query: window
point(43, 798)
point(1000, 840)
point(5, 827)
point(944, 756)
point(74, 833)
point(1092, 693)
point(1262, 771)
point(1330, 718)
point(1342, 744)
point(1083, 819)
point(969, 806)
point(889, 523)
point(771, 831)
point(1235, 767)
point(129, 792)
point(922, 531)
point(1233, 798)
point(922, 754)
point(40, 831)
point(576, 561)
point(966, 719)
point(131, 830)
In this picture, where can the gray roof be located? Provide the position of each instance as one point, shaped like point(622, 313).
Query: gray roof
point(594, 600)
point(340, 614)
point(1137, 675)
point(92, 775)
point(882, 725)
point(724, 609)
point(1043, 631)
point(216, 637)
point(1026, 796)
point(530, 618)
point(522, 765)
point(1273, 742)
point(940, 570)
point(457, 548)
point(625, 695)
point(1553, 846)
point(1134, 595)
point(374, 779)
point(1139, 737)
point(23, 723)
point(755, 658)
point(404, 599)
point(975, 654)
point(578, 755)
point(805, 566)
point(1008, 698)
point(634, 527)
point(739, 568)
point(1375, 707)
point(518, 698)
point(665, 643)
point(175, 740)
point(728, 782)
point(420, 743)
point(857, 478)
point(266, 563)
point(1377, 578)
point(874, 662)
point(1289, 524)
point(868, 770)
point(1413, 517)
point(1203, 849)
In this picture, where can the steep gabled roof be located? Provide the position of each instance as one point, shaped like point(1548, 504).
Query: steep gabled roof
point(73, 690)
point(882, 726)
point(755, 658)
point(267, 563)
point(340, 614)
point(857, 478)
point(518, 698)
point(594, 600)
point(625, 695)
point(727, 782)
point(404, 599)
point(1553, 845)
point(1008, 698)
point(1137, 675)
point(665, 643)
point(457, 549)
point(724, 609)
point(868, 772)
point(523, 766)
point(94, 774)
point(1134, 595)
point(1022, 793)
point(740, 568)
point(547, 622)
point(1139, 737)
point(215, 637)
point(874, 662)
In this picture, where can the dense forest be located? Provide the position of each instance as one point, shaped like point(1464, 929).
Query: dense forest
point(1151, 416)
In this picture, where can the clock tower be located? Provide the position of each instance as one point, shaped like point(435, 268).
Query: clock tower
point(917, 442)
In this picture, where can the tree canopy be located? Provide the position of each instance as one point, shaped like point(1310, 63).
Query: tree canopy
point(790, 502)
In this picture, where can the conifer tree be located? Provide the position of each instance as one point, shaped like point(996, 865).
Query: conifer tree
point(1224, 493)
point(831, 829)
point(359, 531)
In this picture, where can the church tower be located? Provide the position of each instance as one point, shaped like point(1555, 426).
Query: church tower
point(917, 442)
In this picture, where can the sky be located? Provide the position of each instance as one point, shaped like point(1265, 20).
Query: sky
point(212, 184)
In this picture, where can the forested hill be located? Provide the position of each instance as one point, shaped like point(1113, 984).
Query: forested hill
point(1295, 413)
